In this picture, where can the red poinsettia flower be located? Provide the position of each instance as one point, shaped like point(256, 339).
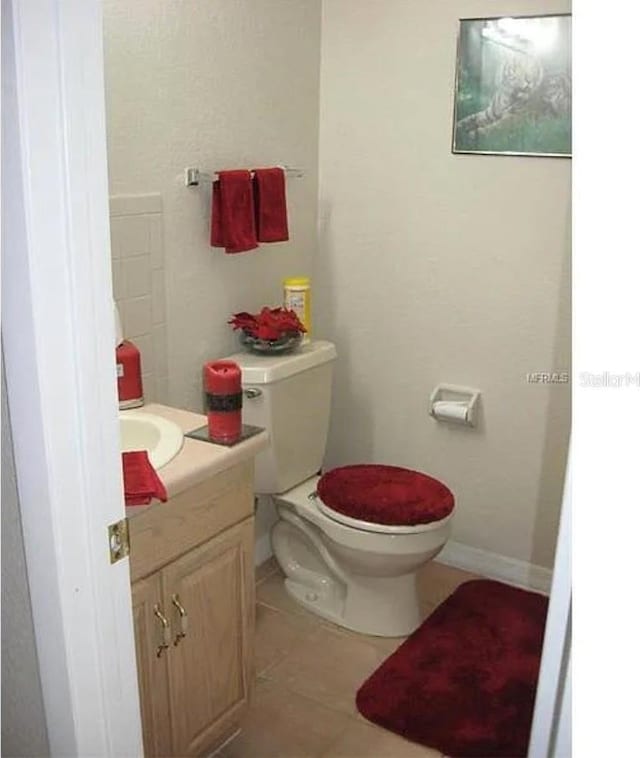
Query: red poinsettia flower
point(270, 324)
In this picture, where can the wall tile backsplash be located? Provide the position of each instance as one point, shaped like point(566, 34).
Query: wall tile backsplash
point(137, 260)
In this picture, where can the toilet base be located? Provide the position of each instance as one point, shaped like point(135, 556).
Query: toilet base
point(374, 613)
point(380, 605)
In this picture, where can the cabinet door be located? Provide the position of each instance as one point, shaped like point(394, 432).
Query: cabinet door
point(210, 668)
point(152, 670)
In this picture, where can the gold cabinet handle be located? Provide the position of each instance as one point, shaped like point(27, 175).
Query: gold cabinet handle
point(183, 618)
point(166, 630)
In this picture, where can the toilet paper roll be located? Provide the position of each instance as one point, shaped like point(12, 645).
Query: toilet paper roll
point(451, 410)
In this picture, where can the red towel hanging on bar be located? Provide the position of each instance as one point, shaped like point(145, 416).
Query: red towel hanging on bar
point(232, 212)
point(269, 187)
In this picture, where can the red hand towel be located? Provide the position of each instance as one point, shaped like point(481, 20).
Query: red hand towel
point(232, 212)
point(271, 205)
point(217, 236)
point(141, 482)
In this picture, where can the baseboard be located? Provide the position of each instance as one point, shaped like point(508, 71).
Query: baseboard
point(263, 550)
point(495, 566)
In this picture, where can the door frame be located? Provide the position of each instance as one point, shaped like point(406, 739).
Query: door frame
point(58, 345)
point(58, 340)
point(551, 727)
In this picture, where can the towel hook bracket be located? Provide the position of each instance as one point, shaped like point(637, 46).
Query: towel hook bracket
point(192, 177)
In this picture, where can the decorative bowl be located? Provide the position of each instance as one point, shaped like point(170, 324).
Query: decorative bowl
point(285, 344)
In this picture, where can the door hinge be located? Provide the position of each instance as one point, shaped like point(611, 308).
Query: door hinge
point(119, 540)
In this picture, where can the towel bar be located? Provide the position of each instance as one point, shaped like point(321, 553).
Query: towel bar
point(193, 176)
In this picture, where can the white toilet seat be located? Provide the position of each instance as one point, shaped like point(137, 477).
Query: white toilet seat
point(350, 532)
point(369, 526)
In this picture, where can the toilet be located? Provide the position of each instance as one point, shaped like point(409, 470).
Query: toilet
point(350, 542)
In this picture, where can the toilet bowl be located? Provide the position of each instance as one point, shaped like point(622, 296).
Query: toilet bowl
point(354, 573)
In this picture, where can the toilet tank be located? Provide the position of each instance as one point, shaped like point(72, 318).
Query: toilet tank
point(289, 396)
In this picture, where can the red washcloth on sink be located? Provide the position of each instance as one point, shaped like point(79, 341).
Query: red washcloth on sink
point(141, 482)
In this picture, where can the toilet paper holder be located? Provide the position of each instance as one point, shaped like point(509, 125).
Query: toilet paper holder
point(455, 404)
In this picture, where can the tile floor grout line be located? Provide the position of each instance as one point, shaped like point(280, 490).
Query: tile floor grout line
point(353, 715)
point(302, 626)
point(260, 577)
point(263, 579)
point(294, 614)
point(281, 659)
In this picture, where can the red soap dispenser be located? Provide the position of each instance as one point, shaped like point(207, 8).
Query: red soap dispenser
point(129, 376)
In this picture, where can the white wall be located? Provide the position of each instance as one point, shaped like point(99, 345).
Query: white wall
point(216, 84)
point(436, 267)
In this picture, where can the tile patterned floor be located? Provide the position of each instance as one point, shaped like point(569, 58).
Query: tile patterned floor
point(308, 671)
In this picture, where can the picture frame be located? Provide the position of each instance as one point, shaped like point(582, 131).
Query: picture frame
point(513, 86)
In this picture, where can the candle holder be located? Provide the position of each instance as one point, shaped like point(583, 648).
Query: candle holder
point(202, 435)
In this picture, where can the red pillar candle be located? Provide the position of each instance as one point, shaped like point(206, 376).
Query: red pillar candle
point(223, 387)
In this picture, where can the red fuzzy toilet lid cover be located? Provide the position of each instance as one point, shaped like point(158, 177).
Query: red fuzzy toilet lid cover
point(385, 494)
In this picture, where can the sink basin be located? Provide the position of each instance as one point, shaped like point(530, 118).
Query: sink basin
point(161, 439)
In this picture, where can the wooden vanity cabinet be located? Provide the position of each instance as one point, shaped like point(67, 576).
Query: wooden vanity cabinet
point(194, 691)
point(153, 682)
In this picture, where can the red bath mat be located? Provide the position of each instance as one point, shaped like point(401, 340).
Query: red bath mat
point(464, 682)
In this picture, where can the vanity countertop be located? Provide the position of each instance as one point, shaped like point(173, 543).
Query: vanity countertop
point(197, 460)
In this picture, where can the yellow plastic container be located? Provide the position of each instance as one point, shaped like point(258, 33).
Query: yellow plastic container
point(297, 297)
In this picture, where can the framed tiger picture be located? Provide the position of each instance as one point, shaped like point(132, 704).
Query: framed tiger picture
point(513, 86)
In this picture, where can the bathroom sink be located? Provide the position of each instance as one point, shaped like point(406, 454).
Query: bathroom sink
point(161, 439)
